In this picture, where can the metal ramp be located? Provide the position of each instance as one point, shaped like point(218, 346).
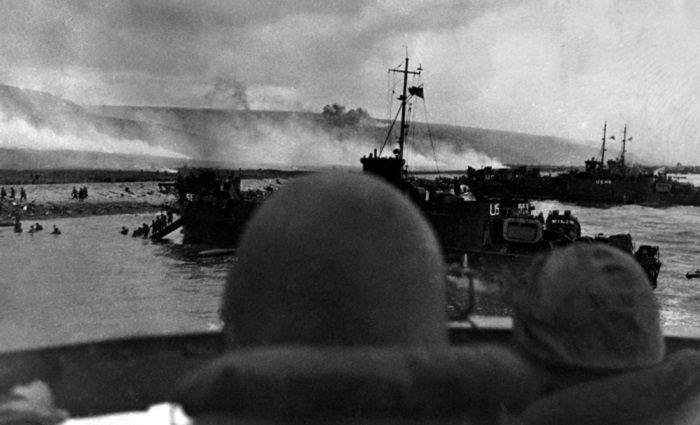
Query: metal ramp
point(168, 229)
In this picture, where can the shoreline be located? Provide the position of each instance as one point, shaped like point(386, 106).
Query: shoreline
point(49, 201)
point(39, 212)
point(54, 200)
point(110, 192)
point(26, 177)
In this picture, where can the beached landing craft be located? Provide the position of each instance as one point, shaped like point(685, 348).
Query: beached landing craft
point(212, 207)
point(212, 204)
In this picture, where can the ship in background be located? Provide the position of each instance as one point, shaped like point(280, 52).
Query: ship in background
point(494, 231)
point(456, 215)
point(601, 182)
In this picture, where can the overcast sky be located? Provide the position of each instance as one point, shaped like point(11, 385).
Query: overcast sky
point(543, 67)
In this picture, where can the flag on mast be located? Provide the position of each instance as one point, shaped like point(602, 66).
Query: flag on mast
point(416, 91)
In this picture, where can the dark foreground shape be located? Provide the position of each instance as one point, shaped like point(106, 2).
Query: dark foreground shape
point(134, 373)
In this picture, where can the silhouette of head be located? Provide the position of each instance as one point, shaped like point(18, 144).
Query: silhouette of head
point(588, 306)
point(339, 259)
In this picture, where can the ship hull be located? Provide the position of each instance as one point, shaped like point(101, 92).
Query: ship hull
point(584, 187)
point(629, 192)
point(216, 224)
point(619, 191)
point(459, 227)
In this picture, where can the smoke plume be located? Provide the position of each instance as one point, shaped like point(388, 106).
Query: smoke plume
point(20, 134)
point(228, 94)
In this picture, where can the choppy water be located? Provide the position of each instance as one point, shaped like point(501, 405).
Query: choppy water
point(93, 283)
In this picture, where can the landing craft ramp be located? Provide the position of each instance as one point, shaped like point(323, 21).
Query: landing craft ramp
point(168, 229)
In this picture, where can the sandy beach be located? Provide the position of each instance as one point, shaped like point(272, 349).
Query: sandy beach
point(46, 201)
point(55, 200)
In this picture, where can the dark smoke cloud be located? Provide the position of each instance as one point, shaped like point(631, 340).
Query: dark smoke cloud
point(336, 116)
point(228, 94)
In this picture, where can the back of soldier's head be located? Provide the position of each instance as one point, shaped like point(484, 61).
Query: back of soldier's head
point(336, 259)
point(335, 313)
point(588, 307)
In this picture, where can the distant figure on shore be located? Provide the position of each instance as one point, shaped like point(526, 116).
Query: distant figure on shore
point(18, 225)
point(22, 194)
point(12, 193)
point(38, 227)
point(55, 231)
point(3, 194)
point(124, 231)
point(74, 193)
point(82, 193)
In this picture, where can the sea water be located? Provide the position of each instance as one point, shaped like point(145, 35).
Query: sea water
point(92, 283)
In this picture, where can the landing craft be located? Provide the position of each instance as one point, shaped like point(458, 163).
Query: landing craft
point(514, 237)
point(457, 216)
point(212, 206)
point(468, 223)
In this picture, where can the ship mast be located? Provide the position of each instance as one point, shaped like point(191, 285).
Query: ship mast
point(404, 99)
point(602, 151)
point(624, 142)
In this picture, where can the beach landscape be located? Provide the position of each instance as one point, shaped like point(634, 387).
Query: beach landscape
point(110, 192)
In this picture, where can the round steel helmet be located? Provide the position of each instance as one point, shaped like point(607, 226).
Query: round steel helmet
point(588, 306)
point(340, 259)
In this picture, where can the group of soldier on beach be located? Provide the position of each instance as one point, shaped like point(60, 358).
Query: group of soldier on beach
point(12, 194)
point(16, 211)
point(79, 194)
